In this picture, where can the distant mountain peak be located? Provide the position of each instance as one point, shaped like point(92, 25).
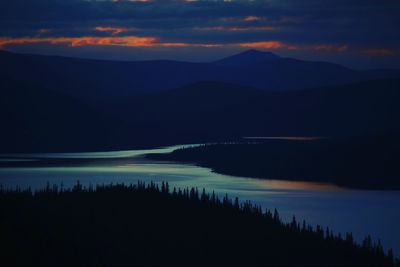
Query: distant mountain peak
point(256, 52)
point(248, 57)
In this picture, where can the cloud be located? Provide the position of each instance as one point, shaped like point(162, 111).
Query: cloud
point(302, 25)
point(330, 48)
point(130, 0)
point(382, 51)
point(135, 41)
point(252, 18)
point(264, 45)
point(114, 30)
point(44, 30)
point(220, 28)
point(132, 41)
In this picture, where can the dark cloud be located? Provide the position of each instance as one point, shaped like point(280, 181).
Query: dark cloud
point(360, 25)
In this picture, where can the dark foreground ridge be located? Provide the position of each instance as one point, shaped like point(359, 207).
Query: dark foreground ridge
point(356, 162)
point(144, 225)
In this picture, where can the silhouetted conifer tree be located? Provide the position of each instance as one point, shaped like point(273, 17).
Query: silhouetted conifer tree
point(276, 215)
point(236, 203)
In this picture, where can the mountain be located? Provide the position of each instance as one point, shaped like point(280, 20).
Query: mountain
point(82, 78)
point(96, 80)
point(247, 58)
point(38, 119)
point(219, 111)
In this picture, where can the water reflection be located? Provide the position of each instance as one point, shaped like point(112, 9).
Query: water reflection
point(299, 185)
point(94, 155)
point(15, 160)
point(361, 212)
point(298, 138)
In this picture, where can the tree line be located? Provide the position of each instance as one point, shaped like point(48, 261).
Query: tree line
point(150, 224)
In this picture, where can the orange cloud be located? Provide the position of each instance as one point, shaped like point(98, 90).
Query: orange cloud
point(382, 51)
point(114, 30)
point(342, 48)
point(186, 45)
point(234, 28)
point(44, 30)
point(266, 45)
point(330, 48)
point(241, 19)
point(133, 41)
point(131, 0)
point(251, 18)
point(128, 41)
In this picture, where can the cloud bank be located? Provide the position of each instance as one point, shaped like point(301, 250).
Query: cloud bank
point(308, 27)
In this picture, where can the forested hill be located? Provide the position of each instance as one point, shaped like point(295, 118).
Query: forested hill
point(101, 79)
point(141, 225)
point(219, 110)
point(39, 119)
point(362, 162)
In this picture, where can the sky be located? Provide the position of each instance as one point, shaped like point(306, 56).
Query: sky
point(358, 34)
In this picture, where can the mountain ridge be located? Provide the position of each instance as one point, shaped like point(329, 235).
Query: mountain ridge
point(212, 109)
point(40, 120)
point(94, 80)
point(248, 57)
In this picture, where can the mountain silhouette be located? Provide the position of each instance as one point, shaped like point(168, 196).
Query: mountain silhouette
point(246, 58)
point(95, 80)
point(213, 110)
point(39, 119)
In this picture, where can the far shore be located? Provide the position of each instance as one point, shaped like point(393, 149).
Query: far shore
point(369, 163)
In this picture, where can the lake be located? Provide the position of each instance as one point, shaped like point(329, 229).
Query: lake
point(361, 212)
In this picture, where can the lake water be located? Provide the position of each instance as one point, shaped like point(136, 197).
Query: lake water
point(358, 211)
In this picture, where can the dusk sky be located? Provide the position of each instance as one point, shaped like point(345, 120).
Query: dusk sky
point(355, 33)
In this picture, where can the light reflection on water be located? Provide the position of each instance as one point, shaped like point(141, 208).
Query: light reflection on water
point(294, 138)
point(106, 154)
point(15, 160)
point(358, 211)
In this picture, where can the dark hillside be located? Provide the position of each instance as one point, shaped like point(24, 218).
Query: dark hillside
point(38, 119)
point(215, 110)
point(35, 118)
point(147, 226)
point(94, 80)
point(362, 162)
